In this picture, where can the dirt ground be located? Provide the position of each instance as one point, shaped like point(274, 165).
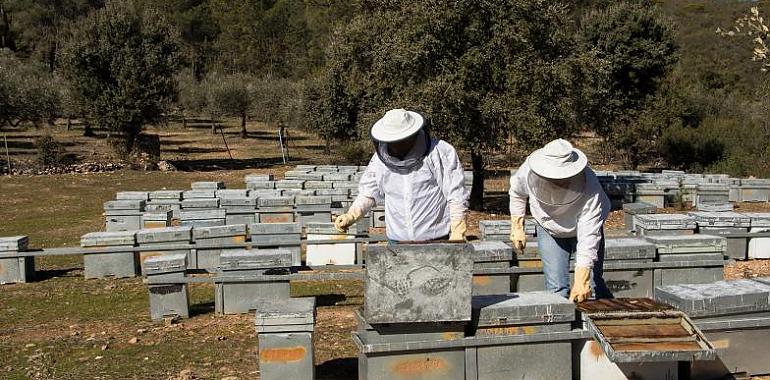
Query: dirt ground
point(64, 327)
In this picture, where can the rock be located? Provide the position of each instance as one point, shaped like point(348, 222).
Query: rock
point(165, 166)
point(141, 331)
point(99, 358)
point(133, 340)
point(105, 347)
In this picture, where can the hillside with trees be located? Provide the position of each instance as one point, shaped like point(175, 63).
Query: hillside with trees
point(652, 81)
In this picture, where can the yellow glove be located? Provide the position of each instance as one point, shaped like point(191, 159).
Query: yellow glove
point(581, 289)
point(518, 238)
point(344, 221)
point(457, 230)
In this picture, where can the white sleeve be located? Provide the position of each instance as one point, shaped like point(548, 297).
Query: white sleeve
point(518, 193)
point(369, 186)
point(589, 232)
point(453, 182)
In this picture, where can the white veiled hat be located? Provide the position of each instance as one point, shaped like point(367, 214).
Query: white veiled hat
point(558, 160)
point(396, 125)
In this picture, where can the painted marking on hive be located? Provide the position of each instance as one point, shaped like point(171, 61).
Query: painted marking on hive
point(419, 367)
point(239, 239)
point(282, 355)
point(452, 335)
point(595, 350)
point(481, 280)
point(721, 344)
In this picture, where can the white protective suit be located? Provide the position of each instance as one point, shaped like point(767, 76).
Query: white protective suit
point(582, 218)
point(419, 203)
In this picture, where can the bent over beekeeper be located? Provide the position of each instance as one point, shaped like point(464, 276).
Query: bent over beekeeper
point(419, 179)
point(570, 207)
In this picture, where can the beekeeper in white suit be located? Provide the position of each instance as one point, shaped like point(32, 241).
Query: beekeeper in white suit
point(570, 207)
point(419, 179)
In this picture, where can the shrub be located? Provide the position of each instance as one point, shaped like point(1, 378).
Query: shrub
point(356, 152)
point(49, 151)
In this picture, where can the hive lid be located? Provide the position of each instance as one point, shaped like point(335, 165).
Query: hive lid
point(720, 219)
point(418, 283)
point(717, 298)
point(96, 239)
point(125, 204)
point(219, 231)
point(642, 331)
point(490, 250)
point(522, 308)
point(161, 216)
point(255, 259)
point(289, 184)
point(312, 200)
point(639, 208)
point(166, 194)
point(208, 185)
point(202, 214)
point(165, 264)
point(276, 201)
point(628, 249)
point(258, 177)
point(164, 235)
point(205, 193)
point(132, 195)
point(274, 228)
point(238, 201)
point(193, 203)
point(232, 193)
point(715, 207)
point(665, 221)
point(292, 311)
point(699, 243)
point(14, 243)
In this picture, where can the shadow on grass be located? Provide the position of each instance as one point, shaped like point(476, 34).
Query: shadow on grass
point(202, 308)
point(344, 368)
point(48, 274)
point(192, 150)
point(208, 165)
point(496, 202)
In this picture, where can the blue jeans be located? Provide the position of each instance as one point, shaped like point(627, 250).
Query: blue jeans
point(555, 253)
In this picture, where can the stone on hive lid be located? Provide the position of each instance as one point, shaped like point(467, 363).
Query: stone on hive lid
point(522, 308)
point(418, 283)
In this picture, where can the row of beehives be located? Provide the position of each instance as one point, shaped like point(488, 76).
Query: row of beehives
point(679, 188)
point(329, 173)
point(633, 266)
point(122, 254)
point(405, 284)
point(420, 321)
point(209, 205)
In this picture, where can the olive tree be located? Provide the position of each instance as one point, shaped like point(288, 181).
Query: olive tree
point(121, 61)
point(229, 95)
point(481, 70)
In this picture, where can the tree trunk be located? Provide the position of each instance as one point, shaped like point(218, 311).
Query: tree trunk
point(213, 126)
point(87, 131)
point(477, 192)
point(184, 122)
point(69, 124)
point(244, 133)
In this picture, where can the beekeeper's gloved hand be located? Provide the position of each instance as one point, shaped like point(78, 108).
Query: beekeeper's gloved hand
point(346, 220)
point(581, 289)
point(518, 238)
point(360, 206)
point(457, 230)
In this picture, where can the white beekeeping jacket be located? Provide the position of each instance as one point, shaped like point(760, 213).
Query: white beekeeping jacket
point(583, 218)
point(420, 203)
